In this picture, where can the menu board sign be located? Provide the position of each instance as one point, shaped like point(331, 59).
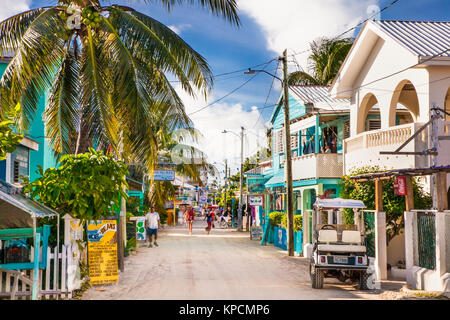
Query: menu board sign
point(102, 251)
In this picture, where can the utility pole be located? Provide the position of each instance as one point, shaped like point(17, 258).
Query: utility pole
point(240, 181)
point(288, 153)
point(225, 200)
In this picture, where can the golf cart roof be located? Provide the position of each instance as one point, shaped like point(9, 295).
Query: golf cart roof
point(339, 203)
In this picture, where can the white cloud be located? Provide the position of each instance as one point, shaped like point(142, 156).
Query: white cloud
point(213, 120)
point(9, 8)
point(179, 28)
point(293, 24)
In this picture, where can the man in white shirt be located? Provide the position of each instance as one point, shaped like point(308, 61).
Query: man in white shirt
point(152, 225)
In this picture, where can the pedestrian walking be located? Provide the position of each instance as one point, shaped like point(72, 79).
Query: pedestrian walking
point(208, 218)
point(152, 223)
point(213, 213)
point(190, 218)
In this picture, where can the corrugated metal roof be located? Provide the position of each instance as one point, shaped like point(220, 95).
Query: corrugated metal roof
point(316, 94)
point(424, 38)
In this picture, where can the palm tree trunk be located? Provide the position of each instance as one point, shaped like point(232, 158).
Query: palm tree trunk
point(83, 140)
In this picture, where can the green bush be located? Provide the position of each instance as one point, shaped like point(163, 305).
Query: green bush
point(297, 222)
point(275, 218)
point(131, 245)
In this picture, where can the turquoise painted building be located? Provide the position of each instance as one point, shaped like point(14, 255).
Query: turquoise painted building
point(33, 150)
point(318, 126)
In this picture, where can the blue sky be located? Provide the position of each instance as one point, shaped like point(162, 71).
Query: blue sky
point(268, 26)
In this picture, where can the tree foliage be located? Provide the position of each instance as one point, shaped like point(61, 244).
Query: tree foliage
point(86, 186)
point(107, 77)
point(327, 56)
point(8, 138)
point(393, 205)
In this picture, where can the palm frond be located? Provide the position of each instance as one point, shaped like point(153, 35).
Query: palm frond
point(13, 29)
point(32, 69)
point(61, 111)
point(226, 8)
point(95, 93)
point(155, 44)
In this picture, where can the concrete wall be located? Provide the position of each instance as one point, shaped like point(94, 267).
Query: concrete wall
point(396, 250)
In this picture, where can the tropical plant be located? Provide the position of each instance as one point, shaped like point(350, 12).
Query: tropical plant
point(106, 77)
point(8, 138)
point(86, 186)
point(323, 63)
point(275, 218)
point(297, 222)
point(393, 205)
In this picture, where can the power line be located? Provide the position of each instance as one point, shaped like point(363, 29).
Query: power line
point(268, 94)
point(232, 72)
point(231, 92)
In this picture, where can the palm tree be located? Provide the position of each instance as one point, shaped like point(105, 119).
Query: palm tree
point(106, 79)
point(324, 62)
point(173, 147)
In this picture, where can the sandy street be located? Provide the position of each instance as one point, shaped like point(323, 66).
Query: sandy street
point(224, 265)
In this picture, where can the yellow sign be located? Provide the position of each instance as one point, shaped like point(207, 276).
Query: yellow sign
point(102, 251)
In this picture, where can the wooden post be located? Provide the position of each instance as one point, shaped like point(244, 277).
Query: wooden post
point(378, 195)
point(441, 186)
point(409, 198)
point(34, 292)
point(288, 165)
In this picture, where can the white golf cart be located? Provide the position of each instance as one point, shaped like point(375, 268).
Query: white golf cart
point(338, 249)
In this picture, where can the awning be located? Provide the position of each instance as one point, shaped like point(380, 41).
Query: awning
point(17, 210)
point(339, 203)
point(276, 181)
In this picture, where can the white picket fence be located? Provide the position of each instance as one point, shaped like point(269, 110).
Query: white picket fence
point(54, 281)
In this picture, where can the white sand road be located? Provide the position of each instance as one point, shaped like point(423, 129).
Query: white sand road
point(225, 265)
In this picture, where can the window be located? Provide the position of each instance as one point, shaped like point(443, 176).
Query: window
point(279, 145)
point(16, 171)
point(294, 140)
point(19, 164)
point(373, 124)
point(347, 129)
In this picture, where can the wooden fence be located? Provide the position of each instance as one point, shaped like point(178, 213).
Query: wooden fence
point(56, 281)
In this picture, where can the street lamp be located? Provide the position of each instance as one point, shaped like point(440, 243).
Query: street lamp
point(287, 136)
point(240, 175)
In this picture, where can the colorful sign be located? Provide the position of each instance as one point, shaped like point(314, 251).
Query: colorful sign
point(257, 233)
point(164, 175)
point(203, 199)
point(140, 229)
point(256, 200)
point(102, 251)
point(400, 186)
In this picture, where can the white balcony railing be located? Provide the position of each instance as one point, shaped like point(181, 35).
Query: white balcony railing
point(317, 165)
point(364, 148)
point(382, 137)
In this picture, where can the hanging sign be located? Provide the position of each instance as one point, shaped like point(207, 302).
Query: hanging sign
point(256, 200)
point(102, 251)
point(164, 175)
point(400, 186)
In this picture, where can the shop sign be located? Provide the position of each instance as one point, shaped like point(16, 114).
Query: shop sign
point(256, 200)
point(400, 186)
point(164, 175)
point(257, 233)
point(102, 252)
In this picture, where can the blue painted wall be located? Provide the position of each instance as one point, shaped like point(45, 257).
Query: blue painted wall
point(44, 156)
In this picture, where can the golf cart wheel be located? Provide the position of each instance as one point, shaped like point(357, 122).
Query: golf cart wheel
point(316, 277)
point(363, 279)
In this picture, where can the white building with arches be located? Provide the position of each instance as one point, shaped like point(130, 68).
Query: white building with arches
point(394, 73)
